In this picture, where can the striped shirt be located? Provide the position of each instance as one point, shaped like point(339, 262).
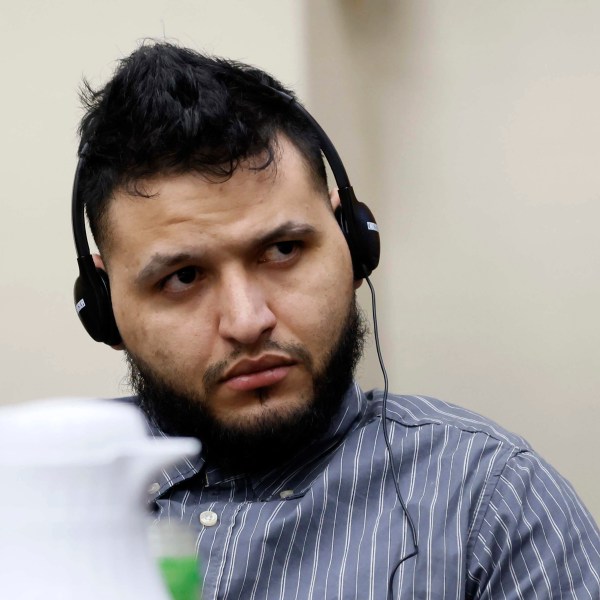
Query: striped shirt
point(493, 520)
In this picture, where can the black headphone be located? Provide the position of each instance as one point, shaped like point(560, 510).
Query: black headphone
point(92, 289)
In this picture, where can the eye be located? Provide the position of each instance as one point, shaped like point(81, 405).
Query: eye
point(281, 252)
point(181, 280)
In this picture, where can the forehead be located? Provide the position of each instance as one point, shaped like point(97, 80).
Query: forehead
point(168, 207)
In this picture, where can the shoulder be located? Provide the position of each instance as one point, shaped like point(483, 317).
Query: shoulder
point(519, 512)
point(444, 446)
point(447, 446)
point(423, 411)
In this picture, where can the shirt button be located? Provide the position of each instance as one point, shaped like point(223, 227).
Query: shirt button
point(208, 518)
point(286, 494)
point(154, 488)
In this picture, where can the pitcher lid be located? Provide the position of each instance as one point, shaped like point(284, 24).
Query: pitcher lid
point(63, 429)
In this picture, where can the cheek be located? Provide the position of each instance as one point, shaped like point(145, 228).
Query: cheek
point(173, 344)
point(314, 309)
point(134, 328)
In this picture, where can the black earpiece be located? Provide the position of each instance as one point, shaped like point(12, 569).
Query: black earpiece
point(93, 303)
point(92, 288)
point(361, 232)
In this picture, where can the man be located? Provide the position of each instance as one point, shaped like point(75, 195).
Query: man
point(232, 292)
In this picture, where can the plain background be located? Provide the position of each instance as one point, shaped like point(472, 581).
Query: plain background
point(472, 129)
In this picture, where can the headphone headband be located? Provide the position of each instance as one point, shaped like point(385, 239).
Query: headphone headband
point(331, 154)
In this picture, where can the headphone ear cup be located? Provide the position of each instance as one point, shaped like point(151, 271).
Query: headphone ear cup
point(93, 303)
point(361, 232)
point(367, 239)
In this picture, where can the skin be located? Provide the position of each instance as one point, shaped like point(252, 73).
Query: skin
point(231, 278)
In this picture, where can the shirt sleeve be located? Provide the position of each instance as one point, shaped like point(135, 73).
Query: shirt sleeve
point(536, 539)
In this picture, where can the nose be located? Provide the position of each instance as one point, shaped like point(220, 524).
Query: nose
point(245, 316)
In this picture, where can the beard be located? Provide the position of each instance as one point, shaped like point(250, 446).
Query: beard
point(269, 440)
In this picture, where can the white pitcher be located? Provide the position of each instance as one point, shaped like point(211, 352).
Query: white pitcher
point(73, 522)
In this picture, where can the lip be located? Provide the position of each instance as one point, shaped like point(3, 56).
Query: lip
point(249, 374)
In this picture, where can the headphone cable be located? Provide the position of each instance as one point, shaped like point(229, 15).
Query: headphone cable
point(413, 529)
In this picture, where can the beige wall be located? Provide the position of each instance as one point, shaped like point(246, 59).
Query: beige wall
point(473, 130)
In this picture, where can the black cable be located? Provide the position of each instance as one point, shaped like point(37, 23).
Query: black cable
point(386, 434)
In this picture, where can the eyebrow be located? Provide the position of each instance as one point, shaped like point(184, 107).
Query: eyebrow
point(285, 230)
point(160, 262)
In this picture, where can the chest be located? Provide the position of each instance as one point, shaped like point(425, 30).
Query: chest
point(337, 539)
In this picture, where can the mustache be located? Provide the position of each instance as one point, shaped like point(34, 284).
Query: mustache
point(215, 372)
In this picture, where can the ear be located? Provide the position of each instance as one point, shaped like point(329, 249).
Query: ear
point(334, 199)
point(99, 264)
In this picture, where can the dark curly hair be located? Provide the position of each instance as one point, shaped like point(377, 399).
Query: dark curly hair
point(169, 109)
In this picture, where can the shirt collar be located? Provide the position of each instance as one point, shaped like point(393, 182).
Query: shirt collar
point(298, 474)
point(348, 416)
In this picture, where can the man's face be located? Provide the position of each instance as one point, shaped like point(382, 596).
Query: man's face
point(233, 295)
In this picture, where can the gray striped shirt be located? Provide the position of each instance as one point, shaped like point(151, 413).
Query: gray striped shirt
point(493, 519)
